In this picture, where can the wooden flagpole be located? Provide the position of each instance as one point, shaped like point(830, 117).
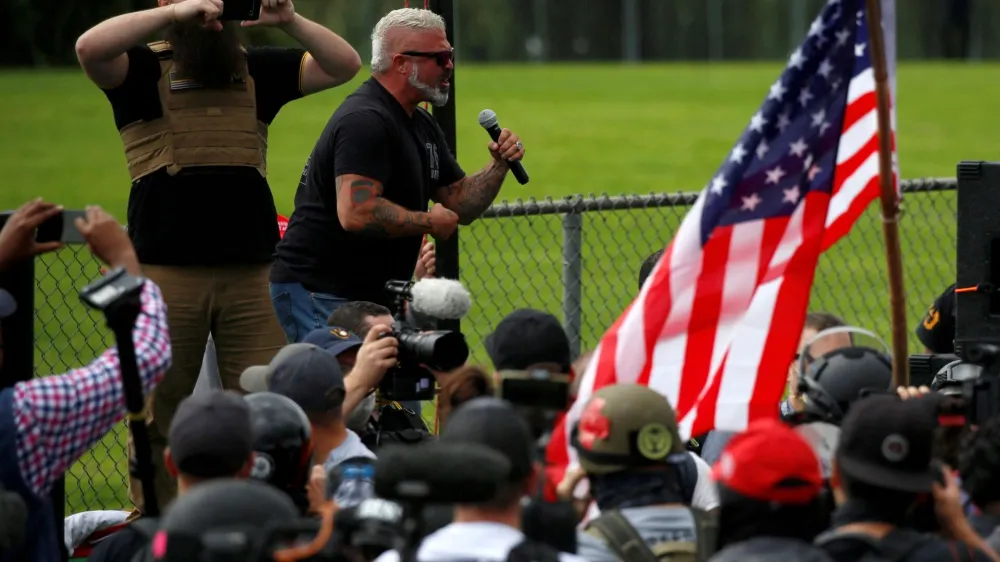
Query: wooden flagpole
point(890, 199)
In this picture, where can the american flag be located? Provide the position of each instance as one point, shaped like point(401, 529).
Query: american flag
point(718, 321)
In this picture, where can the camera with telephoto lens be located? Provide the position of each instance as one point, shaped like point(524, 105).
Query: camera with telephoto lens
point(419, 351)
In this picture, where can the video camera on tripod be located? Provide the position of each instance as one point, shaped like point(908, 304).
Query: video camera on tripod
point(972, 373)
point(419, 351)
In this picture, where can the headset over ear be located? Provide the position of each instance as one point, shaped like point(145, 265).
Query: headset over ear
point(831, 382)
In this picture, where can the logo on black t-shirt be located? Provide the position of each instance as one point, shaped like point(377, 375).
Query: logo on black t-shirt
point(432, 158)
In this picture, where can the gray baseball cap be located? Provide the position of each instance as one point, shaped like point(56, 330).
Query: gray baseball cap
point(306, 373)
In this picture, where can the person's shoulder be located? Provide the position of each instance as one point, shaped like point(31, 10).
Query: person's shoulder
point(357, 451)
point(360, 118)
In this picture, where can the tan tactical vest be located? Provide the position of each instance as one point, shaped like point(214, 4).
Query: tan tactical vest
point(199, 127)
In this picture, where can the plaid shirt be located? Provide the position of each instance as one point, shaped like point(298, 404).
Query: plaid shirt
point(59, 417)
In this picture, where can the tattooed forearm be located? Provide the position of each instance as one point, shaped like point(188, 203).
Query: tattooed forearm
point(476, 192)
point(371, 215)
point(388, 220)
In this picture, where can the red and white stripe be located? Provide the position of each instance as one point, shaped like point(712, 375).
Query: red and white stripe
point(715, 327)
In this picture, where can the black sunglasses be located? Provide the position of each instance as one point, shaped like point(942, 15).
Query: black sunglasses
point(442, 57)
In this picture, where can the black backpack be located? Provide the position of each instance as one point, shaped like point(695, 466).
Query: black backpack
point(893, 547)
point(396, 425)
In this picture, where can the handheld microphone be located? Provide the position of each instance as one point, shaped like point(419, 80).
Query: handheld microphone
point(446, 299)
point(488, 120)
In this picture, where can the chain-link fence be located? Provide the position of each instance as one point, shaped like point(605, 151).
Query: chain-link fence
point(577, 258)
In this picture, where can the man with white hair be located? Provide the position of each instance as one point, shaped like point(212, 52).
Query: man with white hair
point(361, 205)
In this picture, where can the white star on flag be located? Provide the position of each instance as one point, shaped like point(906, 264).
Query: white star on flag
point(750, 203)
point(774, 175)
point(718, 184)
point(736, 156)
point(777, 91)
point(798, 147)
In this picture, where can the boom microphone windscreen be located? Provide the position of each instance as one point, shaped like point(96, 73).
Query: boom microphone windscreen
point(441, 298)
point(439, 472)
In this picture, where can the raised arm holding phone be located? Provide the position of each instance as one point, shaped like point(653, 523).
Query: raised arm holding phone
point(47, 423)
point(193, 113)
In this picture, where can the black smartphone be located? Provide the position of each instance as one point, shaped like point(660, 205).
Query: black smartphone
point(55, 228)
point(240, 10)
point(52, 229)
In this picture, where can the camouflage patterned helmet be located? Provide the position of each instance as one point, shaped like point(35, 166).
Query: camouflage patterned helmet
point(626, 426)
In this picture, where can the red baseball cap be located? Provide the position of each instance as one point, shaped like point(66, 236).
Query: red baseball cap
point(770, 462)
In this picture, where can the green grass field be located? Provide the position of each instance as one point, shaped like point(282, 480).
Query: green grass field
point(587, 129)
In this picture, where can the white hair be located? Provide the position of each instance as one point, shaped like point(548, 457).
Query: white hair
point(403, 18)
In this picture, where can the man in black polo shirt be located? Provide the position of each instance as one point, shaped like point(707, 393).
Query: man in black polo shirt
point(361, 205)
point(193, 113)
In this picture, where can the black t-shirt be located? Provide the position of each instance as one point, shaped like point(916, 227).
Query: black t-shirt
point(370, 135)
point(204, 215)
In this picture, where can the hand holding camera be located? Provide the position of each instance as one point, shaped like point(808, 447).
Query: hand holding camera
point(376, 356)
point(17, 239)
point(107, 240)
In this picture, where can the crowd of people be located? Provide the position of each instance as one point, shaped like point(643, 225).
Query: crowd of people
point(303, 455)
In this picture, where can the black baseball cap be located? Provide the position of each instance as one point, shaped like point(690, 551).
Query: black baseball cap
point(937, 328)
point(496, 424)
point(334, 339)
point(8, 306)
point(527, 337)
point(211, 434)
point(307, 374)
point(886, 442)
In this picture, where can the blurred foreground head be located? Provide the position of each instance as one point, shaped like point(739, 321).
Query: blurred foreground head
point(885, 454)
point(770, 484)
point(224, 516)
point(497, 425)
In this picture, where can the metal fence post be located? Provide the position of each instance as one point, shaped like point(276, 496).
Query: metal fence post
point(572, 301)
point(446, 251)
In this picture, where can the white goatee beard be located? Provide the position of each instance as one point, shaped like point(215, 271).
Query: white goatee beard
point(434, 95)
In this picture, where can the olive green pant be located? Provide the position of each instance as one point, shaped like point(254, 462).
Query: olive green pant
point(233, 304)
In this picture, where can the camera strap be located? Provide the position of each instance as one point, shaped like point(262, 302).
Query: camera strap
point(121, 316)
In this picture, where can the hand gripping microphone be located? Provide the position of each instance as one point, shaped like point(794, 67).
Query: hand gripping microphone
point(488, 120)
